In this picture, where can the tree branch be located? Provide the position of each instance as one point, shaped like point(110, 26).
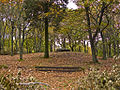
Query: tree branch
point(100, 20)
point(106, 25)
point(33, 83)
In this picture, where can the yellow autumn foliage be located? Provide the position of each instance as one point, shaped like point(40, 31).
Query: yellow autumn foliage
point(7, 1)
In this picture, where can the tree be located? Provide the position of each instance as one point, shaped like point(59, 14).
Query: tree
point(95, 11)
point(42, 9)
point(71, 27)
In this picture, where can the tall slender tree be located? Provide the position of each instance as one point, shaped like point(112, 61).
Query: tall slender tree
point(43, 7)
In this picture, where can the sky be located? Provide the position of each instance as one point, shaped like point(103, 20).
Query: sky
point(71, 5)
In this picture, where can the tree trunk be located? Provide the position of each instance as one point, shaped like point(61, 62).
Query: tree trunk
point(75, 44)
point(9, 42)
point(3, 41)
point(23, 39)
point(64, 40)
point(114, 47)
point(109, 45)
point(12, 23)
point(40, 41)
point(51, 45)
point(79, 48)
point(84, 47)
point(46, 54)
point(54, 44)
point(87, 47)
point(0, 40)
point(94, 57)
point(20, 44)
point(72, 48)
point(40, 37)
point(107, 49)
point(16, 45)
point(27, 44)
point(35, 45)
point(104, 47)
point(117, 47)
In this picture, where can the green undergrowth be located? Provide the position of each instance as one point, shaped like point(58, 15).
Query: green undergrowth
point(3, 66)
point(101, 80)
point(20, 60)
point(18, 82)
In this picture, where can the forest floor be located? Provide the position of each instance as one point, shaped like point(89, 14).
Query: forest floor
point(56, 80)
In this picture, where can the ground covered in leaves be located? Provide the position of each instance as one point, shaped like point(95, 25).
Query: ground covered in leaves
point(56, 80)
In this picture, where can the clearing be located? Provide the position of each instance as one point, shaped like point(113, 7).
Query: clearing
point(57, 80)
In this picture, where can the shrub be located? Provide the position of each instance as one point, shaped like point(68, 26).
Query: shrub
point(97, 80)
point(9, 82)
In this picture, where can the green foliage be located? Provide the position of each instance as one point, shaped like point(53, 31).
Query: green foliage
point(101, 80)
point(9, 82)
point(20, 60)
point(3, 66)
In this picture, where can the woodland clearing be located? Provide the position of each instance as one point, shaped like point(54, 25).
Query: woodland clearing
point(56, 80)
